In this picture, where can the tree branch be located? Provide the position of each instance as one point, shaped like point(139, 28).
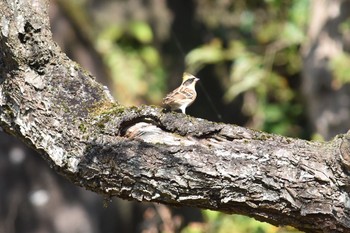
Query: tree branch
point(145, 154)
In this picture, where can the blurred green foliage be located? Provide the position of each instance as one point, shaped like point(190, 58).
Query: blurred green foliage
point(134, 63)
point(340, 65)
point(341, 69)
point(216, 222)
point(263, 51)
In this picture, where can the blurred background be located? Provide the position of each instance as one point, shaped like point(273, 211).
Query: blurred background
point(278, 66)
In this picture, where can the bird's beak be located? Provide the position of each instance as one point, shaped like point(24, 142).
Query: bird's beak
point(197, 79)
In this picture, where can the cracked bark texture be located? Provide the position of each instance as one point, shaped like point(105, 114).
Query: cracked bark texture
point(145, 154)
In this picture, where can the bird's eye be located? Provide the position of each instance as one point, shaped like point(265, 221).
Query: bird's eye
point(188, 81)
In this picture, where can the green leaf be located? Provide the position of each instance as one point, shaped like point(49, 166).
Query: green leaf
point(247, 73)
point(291, 34)
point(206, 54)
point(105, 40)
point(150, 55)
point(339, 65)
point(141, 31)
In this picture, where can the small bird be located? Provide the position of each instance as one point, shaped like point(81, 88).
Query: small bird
point(184, 95)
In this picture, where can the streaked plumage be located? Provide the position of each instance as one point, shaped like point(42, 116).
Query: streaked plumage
point(184, 95)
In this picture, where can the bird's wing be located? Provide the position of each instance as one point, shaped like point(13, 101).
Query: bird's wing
point(178, 96)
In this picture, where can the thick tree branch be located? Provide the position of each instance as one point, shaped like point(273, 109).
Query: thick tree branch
point(144, 154)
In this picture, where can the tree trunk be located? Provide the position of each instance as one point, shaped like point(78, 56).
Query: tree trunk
point(145, 154)
point(328, 106)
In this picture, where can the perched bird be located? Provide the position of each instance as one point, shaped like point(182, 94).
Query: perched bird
point(183, 96)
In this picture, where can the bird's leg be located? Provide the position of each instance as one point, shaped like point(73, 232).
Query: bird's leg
point(183, 109)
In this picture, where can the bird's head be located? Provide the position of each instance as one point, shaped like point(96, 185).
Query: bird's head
point(189, 79)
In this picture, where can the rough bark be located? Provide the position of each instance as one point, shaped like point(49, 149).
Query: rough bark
point(145, 154)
